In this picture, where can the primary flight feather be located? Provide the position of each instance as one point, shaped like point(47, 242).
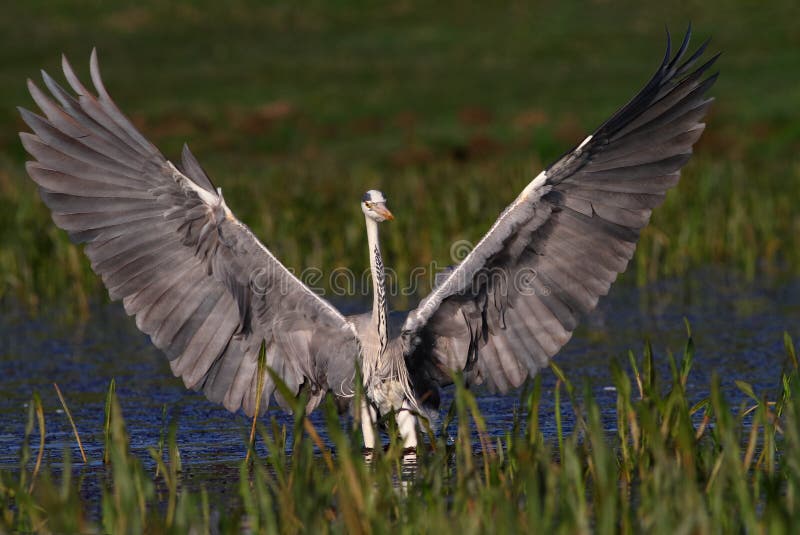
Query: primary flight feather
point(209, 293)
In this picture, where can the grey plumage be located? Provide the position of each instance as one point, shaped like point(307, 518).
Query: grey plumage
point(209, 293)
point(573, 230)
point(164, 242)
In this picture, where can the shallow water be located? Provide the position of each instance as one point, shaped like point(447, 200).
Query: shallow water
point(737, 326)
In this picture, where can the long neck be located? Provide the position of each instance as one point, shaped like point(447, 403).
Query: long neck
point(379, 303)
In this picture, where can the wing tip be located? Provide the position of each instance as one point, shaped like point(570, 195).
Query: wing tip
point(28, 116)
point(94, 73)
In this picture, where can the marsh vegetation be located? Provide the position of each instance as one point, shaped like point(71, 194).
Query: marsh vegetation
point(450, 110)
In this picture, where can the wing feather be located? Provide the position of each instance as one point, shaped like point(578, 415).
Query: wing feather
point(165, 243)
point(567, 236)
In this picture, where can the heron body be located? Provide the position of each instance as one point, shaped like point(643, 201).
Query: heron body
point(210, 294)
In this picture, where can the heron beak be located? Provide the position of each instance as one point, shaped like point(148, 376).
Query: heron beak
point(384, 212)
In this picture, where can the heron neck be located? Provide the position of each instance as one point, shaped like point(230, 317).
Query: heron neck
point(380, 306)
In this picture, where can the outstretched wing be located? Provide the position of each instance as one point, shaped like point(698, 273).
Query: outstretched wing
point(165, 243)
point(514, 301)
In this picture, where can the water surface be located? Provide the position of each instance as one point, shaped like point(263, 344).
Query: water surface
point(738, 331)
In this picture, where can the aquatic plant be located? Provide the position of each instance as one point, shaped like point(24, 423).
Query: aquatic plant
point(668, 466)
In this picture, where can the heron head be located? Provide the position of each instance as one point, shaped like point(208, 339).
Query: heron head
point(373, 204)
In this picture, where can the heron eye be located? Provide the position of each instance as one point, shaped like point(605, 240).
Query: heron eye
point(369, 204)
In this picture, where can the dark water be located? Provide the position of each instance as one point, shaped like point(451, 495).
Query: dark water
point(738, 330)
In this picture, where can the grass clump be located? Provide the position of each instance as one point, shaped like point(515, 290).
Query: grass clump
point(666, 465)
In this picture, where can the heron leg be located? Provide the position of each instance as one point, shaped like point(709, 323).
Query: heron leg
point(407, 424)
point(368, 418)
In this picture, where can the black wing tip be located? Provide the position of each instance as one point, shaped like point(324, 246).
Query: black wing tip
point(670, 71)
point(670, 61)
point(687, 34)
point(666, 74)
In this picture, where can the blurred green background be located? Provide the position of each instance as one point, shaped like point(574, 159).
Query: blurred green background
point(296, 109)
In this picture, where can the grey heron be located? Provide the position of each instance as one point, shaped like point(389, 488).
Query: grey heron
point(209, 293)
